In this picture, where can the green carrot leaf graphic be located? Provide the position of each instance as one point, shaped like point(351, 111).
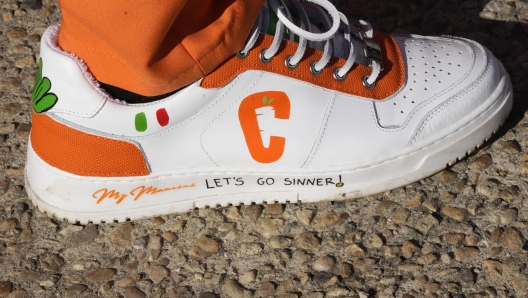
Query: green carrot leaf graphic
point(41, 87)
point(42, 99)
point(264, 99)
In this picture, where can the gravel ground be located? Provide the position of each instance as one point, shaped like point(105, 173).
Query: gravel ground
point(460, 233)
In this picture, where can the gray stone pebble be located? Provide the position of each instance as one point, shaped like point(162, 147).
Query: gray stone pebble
point(305, 216)
point(157, 273)
point(6, 287)
point(507, 216)
point(75, 290)
point(101, 274)
point(426, 223)
point(323, 264)
point(140, 242)
point(234, 290)
point(466, 254)
point(69, 229)
point(458, 214)
point(18, 293)
point(121, 235)
point(133, 292)
point(489, 188)
point(253, 212)
point(280, 242)
point(247, 277)
point(512, 239)
point(270, 227)
point(204, 247)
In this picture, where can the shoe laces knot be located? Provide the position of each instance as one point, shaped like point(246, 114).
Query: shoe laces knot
point(330, 19)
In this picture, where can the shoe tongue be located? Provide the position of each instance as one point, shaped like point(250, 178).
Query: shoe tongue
point(269, 24)
point(340, 47)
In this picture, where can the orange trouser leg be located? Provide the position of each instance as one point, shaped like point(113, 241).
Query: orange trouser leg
point(155, 47)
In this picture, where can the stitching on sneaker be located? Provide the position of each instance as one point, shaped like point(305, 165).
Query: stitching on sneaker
point(243, 95)
point(231, 85)
point(322, 132)
point(432, 99)
point(445, 104)
point(108, 181)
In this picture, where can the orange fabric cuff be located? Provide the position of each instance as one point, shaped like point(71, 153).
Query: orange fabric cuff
point(152, 48)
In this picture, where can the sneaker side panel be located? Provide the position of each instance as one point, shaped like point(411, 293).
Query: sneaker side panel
point(97, 199)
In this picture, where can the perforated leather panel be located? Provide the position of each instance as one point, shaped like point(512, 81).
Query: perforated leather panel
point(435, 65)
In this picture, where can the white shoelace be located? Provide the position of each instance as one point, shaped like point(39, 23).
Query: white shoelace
point(332, 19)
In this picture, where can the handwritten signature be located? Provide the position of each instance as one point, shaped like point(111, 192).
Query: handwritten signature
point(136, 193)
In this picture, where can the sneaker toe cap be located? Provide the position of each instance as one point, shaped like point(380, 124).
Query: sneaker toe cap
point(442, 73)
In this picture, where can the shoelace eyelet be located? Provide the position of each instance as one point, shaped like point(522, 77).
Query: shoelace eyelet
point(242, 55)
point(313, 70)
point(366, 84)
point(288, 64)
point(337, 77)
point(263, 59)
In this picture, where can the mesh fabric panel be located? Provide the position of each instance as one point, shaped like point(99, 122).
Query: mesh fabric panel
point(390, 80)
point(84, 154)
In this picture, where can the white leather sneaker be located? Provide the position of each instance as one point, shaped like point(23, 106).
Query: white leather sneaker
point(280, 121)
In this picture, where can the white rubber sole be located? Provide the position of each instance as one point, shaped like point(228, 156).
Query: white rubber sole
point(96, 199)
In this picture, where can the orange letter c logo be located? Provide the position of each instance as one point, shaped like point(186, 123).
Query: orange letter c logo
point(247, 116)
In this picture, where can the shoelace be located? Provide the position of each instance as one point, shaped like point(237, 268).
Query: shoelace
point(334, 20)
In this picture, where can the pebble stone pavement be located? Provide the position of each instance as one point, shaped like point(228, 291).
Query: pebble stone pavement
point(460, 233)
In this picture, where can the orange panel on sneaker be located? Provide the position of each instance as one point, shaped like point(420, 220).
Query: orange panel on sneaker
point(84, 154)
point(390, 80)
